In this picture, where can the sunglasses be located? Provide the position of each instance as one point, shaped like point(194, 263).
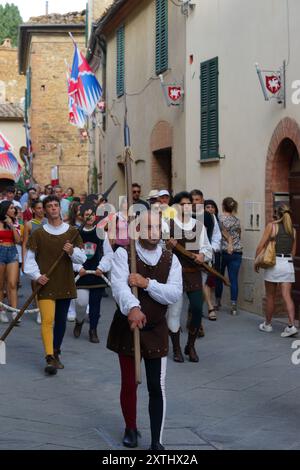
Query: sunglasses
point(137, 192)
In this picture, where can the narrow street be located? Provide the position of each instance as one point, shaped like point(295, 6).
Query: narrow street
point(241, 395)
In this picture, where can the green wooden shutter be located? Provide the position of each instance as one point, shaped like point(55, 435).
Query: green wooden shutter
point(161, 36)
point(120, 60)
point(209, 76)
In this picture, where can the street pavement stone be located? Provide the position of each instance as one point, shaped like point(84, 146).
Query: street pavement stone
point(242, 394)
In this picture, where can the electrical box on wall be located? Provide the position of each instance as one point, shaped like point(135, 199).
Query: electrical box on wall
point(253, 215)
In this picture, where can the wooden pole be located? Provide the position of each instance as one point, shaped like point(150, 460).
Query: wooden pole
point(36, 290)
point(133, 266)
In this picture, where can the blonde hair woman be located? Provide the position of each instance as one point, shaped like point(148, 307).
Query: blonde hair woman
point(283, 272)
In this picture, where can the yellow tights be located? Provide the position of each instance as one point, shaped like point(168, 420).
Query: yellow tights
point(47, 309)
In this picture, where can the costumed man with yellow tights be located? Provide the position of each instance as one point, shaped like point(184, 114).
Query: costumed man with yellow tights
point(44, 247)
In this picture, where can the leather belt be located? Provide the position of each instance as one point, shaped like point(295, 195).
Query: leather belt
point(190, 270)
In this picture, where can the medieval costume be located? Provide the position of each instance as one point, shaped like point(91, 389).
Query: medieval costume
point(90, 287)
point(192, 236)
point(163, 270)
point(45, 245)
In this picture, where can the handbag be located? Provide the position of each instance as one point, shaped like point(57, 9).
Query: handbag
point(267, 257)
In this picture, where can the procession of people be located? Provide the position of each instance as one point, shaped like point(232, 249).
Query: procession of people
point(182, 247)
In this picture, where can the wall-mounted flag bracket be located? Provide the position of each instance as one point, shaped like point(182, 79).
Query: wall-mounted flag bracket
point(273, 83)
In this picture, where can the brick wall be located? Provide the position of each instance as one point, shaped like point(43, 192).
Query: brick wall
point(15, 84)
point(55, 141)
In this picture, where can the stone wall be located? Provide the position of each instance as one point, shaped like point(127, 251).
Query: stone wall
point(12, 85)
point(55, 141)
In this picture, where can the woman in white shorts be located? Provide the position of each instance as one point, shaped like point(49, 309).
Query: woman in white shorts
point(283, 272)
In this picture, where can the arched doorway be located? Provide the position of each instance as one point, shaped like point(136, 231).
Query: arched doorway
point(283, 183)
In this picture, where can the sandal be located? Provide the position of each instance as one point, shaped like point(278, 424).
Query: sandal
point(212, 314)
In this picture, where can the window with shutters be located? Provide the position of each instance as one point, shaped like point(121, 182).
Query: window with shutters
point(120, 60)
point(209, 79)
point(161, 36)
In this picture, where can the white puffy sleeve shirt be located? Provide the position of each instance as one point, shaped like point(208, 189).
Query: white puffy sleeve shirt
point(165, 294)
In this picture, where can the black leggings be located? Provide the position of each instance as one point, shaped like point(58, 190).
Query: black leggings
point(196, 301)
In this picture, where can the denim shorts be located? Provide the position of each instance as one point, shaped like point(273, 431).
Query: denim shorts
point(8, 254)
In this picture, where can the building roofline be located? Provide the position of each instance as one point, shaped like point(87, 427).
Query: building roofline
point(109, 14)
point(27, 30)
point(110, 19)
point(11, 118)
point(107, 21)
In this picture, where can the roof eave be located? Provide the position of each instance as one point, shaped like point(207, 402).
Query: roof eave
point(26, 31)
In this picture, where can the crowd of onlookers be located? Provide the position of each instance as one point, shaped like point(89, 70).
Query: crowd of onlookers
point(23, 212)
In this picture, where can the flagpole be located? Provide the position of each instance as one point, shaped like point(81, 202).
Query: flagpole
point(73, 40)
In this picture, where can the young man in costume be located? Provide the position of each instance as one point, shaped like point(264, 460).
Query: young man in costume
point(191, 235)
point(90, 287)
point(159, 283)
point(44, 247)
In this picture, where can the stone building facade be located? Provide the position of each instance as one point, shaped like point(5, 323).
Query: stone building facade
point(256, 151)
point(44, 46)
point(12, 86)
point(125, 47)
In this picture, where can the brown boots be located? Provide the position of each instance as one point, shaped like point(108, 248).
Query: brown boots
point(190, 350)
point(51, 366)
point(77, 328)
point(59, 365)
point(53, 363)
point(93, 336)
point(177, 354)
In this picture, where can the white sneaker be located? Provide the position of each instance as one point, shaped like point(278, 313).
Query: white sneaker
point(71, 316)
point(3, 317)
point(266, 328)
point(289, 331)
point(233, 309)
point(38, 318)
point(14, 314)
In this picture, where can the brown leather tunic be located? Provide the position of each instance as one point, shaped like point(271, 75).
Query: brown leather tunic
point(47, 249)
point(154, 336)
point(192, 278)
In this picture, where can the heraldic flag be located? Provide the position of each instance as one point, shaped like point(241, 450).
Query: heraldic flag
point(9, 165)
point(84, 88)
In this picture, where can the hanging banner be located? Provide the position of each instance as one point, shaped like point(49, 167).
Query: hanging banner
point(54, 176)
point(173, 92)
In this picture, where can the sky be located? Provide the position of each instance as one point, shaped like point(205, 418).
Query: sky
point(30, 8)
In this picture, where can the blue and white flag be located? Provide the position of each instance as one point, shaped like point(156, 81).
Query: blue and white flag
point(84, 88)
